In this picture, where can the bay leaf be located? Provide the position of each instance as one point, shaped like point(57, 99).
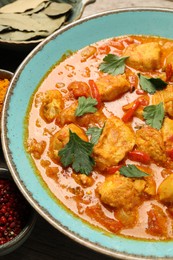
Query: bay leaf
point(4, 28)
point(16, 36)
point(21, 22)
point(49, 25)
point(20, 6)
point(39, 8)
point(55, 9)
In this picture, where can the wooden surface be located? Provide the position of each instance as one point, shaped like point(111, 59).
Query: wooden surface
point(45, 242)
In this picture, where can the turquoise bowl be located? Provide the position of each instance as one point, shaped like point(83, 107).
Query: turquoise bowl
point(75, 36)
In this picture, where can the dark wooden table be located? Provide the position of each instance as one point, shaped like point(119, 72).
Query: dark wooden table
point(45, 242)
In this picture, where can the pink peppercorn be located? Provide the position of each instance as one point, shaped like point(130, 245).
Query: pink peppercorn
point(14, 211)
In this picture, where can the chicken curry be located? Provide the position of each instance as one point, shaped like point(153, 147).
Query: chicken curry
point(100, 133)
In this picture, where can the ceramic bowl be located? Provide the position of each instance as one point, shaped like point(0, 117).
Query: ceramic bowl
point(5, 74)
point(76, 12)
point(17, 241)
point(147, 21)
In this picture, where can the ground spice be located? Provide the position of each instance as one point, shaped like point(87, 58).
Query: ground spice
point(4, 83)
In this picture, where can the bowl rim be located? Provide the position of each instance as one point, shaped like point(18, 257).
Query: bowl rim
point(78, 239)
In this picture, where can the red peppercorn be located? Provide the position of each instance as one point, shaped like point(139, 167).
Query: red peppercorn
point(14, 211)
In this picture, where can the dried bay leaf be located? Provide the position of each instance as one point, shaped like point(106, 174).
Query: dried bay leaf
point(39, 18)
point(39, 8)
point(21, 22)
point(49, 25)
point(20, 6)
point(4, 28)
point(55, 9)
point(21, 36)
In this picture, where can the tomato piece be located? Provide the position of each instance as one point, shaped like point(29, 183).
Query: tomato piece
point(169, 72)
point(79, 89)
point(95, 92)
point(170, 153)
point(139, 156)
point(113, 169)
point(157, 221)
point(140, 92)
point(129, 114)
point(97, 213)
point(104, 49)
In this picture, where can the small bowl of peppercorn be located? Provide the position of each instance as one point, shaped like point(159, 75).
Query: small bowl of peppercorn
point(17, 217)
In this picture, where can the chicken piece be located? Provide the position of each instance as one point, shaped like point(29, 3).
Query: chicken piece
point(149, 140)
point(52, 105)
point(169, 59)
point(165, 190)
point(88, 52)
point(67, 116)
point(111, 87)
point(167, 133)
point(116, 140)
point(61, 138)
point(147, 186)
point(119, 192)
point(165, 96)
point(144, 57)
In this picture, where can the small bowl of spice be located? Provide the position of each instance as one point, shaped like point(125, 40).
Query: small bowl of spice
point(17, 217)
point(5, 78)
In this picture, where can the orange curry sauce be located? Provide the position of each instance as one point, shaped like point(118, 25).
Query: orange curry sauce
point(137, 207)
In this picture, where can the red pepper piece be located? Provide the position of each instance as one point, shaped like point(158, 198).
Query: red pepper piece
point(113, 169)
point(129, 114)
point(139, 156)
point(170, 153)
point(95, 92)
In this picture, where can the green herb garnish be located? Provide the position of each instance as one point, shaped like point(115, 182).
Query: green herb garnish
point(86, 105)
point(151, 85)
point(132, 171)
point(154, 115)
point(113, 64)
point(95, 133)
point(77, 153)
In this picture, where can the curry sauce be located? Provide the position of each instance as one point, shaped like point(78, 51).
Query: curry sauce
point(100, 133)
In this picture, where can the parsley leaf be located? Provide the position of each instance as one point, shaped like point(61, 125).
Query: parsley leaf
point(150, 85)
point(113, 64)
point(154, 115)
point(132, 171)
point(77, 153)
point(86, 105)
point(95, 133)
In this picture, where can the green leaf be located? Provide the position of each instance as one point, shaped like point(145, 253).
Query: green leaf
point(154, 115)
point(86, 105)
point(77, 153)
point(113, 64)
point(132, 171)
point(151, 85)
point(95, 133)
